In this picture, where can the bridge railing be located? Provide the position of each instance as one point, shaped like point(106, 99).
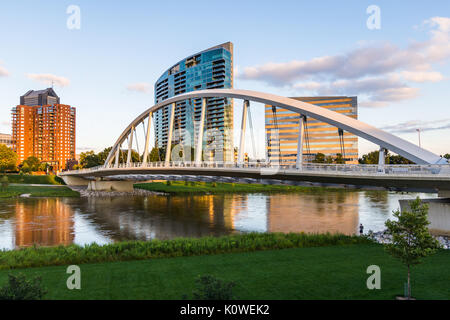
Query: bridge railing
point(353, 169)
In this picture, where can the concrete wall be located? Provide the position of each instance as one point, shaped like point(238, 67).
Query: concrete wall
point(75, 181)
point(120, 186)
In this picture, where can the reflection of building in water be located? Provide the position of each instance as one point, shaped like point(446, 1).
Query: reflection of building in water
point(334, 212)
point(45, 222)
point(162, 217)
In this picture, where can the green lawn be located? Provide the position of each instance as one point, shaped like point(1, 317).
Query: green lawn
point(180, 187)
point(333, 272)
point(30, 179)
point(38, 191)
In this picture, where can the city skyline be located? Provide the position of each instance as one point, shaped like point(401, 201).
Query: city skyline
point(300, 56)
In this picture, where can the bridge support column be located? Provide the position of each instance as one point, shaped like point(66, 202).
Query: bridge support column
point(301, 129)
point(240, 159)
point(199, 146)
point(119, 186)
point(170, 135)
point(444, 193)
point(381, 161)
point(74, 181)
point(116, 164)
point(147, 139)
point(130, 145)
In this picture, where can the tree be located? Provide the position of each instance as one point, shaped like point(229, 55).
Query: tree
point(411, 239)
point(8, 159)
point(447, 156)
point(339, 159)
point(4, 183)
point(89, 159)
point(372, 158)
point(157, 154)
point(33, 164)
point(398, 159)
point(319, 158)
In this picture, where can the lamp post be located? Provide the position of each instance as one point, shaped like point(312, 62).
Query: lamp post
point(418, 131)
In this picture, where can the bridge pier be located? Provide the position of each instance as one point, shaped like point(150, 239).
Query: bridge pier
point(74, 181)
point(119, 186)
point(444, 193)
point(438, 213)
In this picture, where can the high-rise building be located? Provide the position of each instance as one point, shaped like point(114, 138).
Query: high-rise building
point(6, 139)
point(208, 69)
point(320, 137)
point(44, 128)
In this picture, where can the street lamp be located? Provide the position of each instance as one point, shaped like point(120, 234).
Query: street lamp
point(418, 131)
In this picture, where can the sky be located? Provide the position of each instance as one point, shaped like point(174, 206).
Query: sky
point(106, 62)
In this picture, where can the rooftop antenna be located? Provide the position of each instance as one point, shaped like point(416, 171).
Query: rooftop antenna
point(52, 84)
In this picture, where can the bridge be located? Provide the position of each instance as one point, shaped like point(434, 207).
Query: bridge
point(430, 171)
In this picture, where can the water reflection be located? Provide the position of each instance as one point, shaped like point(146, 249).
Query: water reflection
point(53, 221)
point(326, 212)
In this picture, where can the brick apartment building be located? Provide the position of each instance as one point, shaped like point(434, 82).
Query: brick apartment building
point(44, 128)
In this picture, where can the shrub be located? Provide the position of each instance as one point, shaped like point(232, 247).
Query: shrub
point(168, 182)
point(138, 250)
point(4, 183)
point(209, 287)
point(20, 288)
point(213, 185)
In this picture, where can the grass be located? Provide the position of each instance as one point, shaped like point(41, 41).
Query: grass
point(30, 179)
point(140, 250)
point(181, 187)
point(332, 272)
point(38, 191)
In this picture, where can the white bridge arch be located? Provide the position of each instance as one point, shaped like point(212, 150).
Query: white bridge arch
point(384, 139)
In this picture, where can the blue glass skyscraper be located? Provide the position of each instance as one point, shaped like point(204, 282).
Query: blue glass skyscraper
point(208, 69)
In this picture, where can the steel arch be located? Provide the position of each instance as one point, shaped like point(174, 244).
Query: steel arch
point(359, 128)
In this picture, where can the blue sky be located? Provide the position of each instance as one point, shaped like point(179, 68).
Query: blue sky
point(400, 72)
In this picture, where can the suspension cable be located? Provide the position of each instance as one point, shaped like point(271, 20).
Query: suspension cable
point(306, 134)
point(137, 144)
point(274, 112)
point(250, 123)
point(341, 142)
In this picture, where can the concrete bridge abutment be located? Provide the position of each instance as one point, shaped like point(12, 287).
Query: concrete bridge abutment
point(118, 186)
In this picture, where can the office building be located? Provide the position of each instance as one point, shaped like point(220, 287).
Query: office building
point(282, 132)
point(6, 139)
point(45, 130)
point(208, 69)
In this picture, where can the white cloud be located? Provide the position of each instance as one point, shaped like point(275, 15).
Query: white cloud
point(413, 125)
point(422, 76)
point(3, 71)
point(380, 71)
point(49, 79)
point(139, 87)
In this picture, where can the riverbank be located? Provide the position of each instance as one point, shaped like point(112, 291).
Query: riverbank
point(383, 238)
point(329, 272)
point(190, 187)
point(37, 191)
point(34, 179)
point(140, 250)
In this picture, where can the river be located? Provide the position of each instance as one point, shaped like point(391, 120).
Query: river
point(55, 221)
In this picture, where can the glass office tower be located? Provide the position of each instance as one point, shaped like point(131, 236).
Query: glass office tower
point(320, 137)
point(208, 69)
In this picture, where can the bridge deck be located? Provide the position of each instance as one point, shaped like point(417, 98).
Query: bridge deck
point(415, 177)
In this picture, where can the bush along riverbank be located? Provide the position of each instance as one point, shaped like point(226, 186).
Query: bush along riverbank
point(31, 179)
point(139, 250)
point(190, 187)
